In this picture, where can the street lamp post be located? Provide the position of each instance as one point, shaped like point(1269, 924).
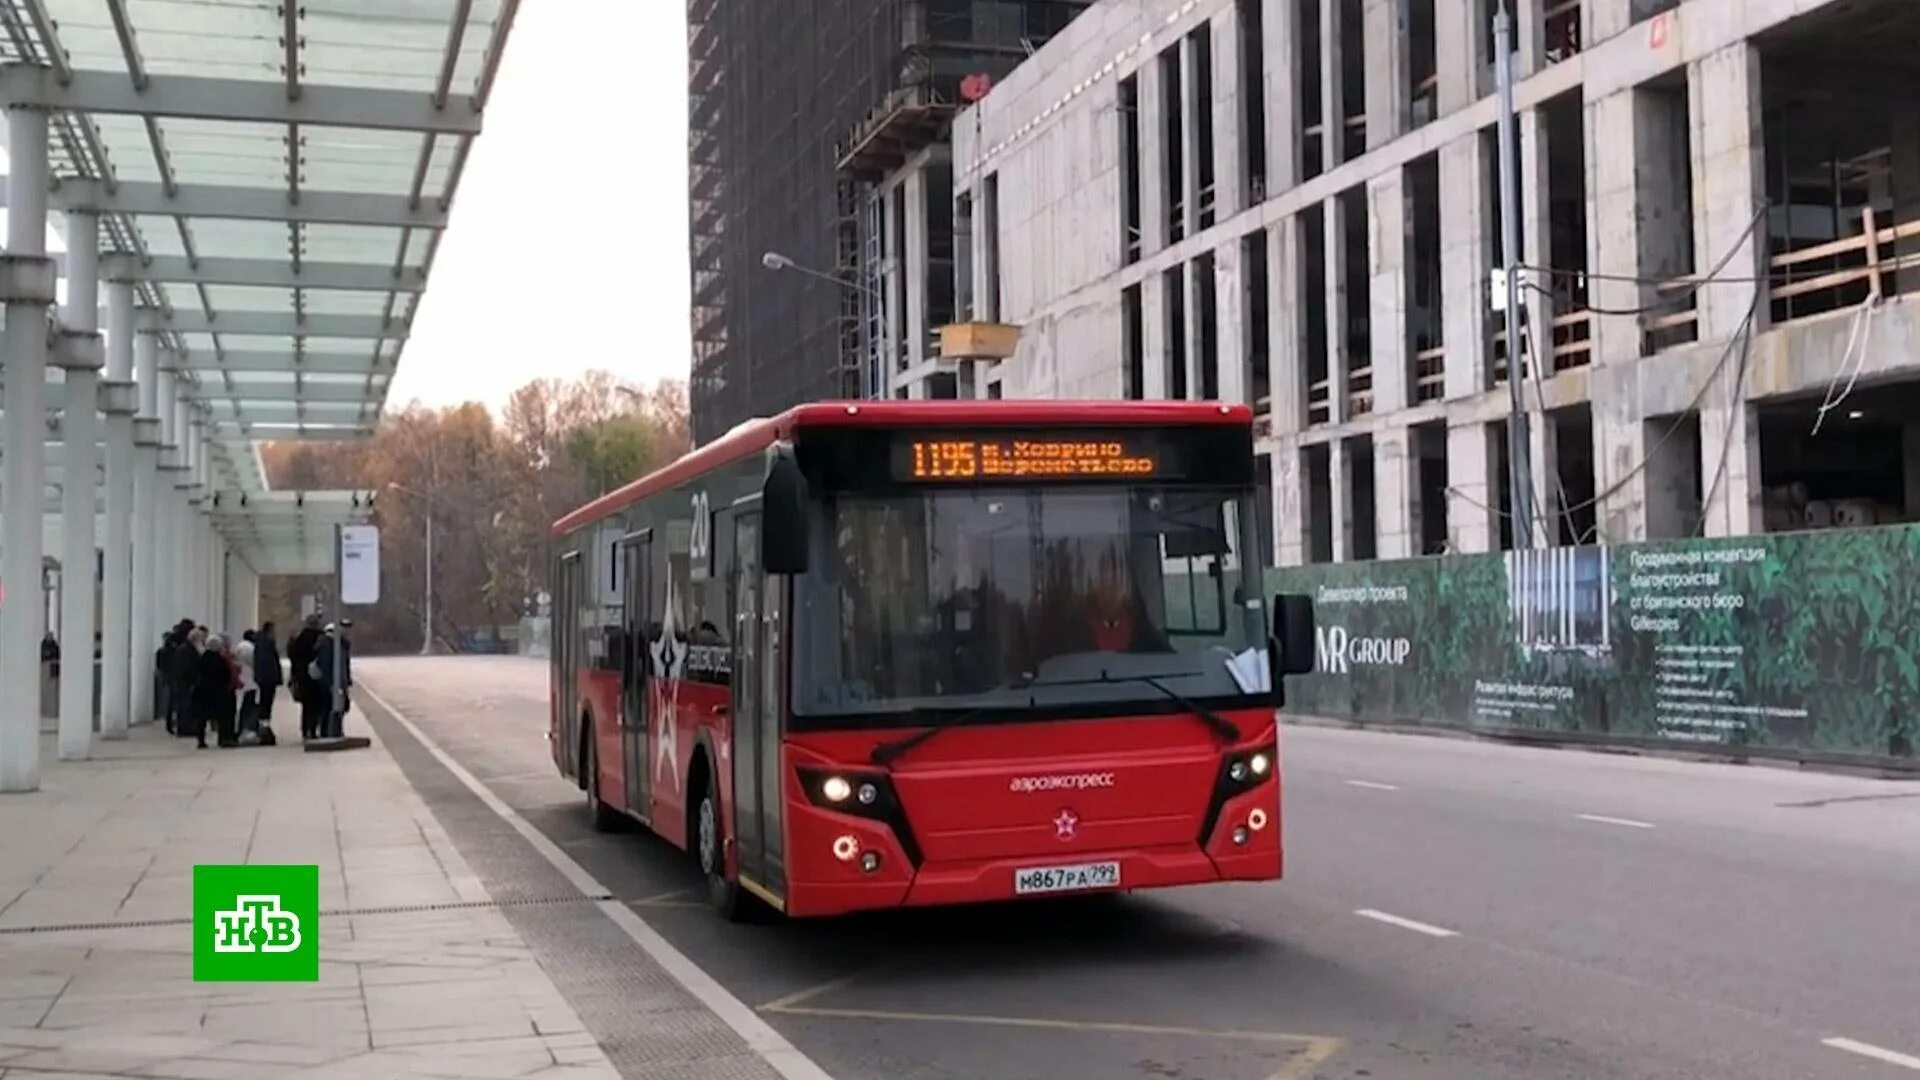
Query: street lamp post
point(426, 624)
point(774, 260)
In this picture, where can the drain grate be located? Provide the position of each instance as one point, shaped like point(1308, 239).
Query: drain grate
point(325, 913)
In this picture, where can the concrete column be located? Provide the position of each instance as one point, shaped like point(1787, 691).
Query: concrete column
point(1340, 499)
point(1190, 134)
point(1619, 447)
point(147, 620)
point(149, 616)
point(1536, 239)
point(1340, 407)
point(1333, 113)
point(1906, 191)
point(1286, 343)
point(1729, 189)
point(1472, 493)
point(1729, 182)
point(1612, 227)
point(118, 398)
point(1459, 52)
point(1530, 36)
point(1229, 118)
point(1289, 504)
point(1153, 160)
point(1230, 323)
point(1155, 353)
point(1464, 265)
point(27, 287)
point(1280, 24)
point(1394, 482)
point(79, 353)
point(1604, 19)
point(1730, 451)
point(1195, 305)
point(1389, 72)
point(913, 265)
point(1389, 235)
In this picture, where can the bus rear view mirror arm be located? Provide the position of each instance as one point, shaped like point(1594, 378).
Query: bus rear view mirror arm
point(1293, 634)
point(783, 530)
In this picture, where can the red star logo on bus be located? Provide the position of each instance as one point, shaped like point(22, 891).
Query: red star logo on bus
point(1064, 824)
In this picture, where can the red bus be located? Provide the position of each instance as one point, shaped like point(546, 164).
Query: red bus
point(915, 653)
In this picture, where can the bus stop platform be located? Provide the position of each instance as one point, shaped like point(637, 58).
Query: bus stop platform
point(422, 970)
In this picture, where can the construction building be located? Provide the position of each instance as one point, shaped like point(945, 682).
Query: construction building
point(817, 133)
point(1295, 203)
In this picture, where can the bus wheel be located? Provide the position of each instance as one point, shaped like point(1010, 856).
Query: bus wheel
point(726, 896)
point(602, 817)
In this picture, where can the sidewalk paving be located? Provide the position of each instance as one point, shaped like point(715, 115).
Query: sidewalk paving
point(421, 973)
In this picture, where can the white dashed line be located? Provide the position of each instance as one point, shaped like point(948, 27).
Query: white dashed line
point(1373, 785)
point(1878, 1053)
point(760, 1037)
point(1605, 820)
point(1406, 924)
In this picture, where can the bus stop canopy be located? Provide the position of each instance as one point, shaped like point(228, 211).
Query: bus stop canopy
point(272, 181)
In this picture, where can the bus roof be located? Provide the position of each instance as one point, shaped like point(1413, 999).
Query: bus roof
point(754, 436)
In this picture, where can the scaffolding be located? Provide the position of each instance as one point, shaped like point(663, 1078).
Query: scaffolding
point(794, 110)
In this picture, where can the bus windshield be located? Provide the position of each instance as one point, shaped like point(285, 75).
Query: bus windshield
point(982, 599)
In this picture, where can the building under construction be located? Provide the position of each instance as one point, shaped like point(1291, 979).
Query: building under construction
point(817, 130)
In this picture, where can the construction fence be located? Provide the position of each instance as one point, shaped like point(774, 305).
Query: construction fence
point(1795, 645)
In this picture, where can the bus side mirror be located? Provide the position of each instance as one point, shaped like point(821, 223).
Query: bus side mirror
point(783, 524)
point(1293, 635)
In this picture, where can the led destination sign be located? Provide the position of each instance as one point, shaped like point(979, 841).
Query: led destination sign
point(956, 459)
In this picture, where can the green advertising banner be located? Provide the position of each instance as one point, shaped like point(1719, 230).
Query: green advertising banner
point(1793, 642)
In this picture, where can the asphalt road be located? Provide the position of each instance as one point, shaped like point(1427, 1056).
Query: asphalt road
point(1451, 909)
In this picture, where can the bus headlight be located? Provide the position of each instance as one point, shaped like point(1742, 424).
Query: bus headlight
point(836, 789)
point(867, 794)
point(1259, 763)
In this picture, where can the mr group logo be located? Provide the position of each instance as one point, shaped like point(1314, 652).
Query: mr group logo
point(256, 924)
point(1339, 651)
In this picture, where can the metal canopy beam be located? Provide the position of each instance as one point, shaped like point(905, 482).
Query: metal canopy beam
point(248, 204)
point(312, 393)
point(239, 361)
point(244, 100)
point(276, 323)
point(272, 273)
point(278, 431)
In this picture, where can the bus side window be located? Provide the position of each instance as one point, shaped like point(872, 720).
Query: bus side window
point(1193, 542)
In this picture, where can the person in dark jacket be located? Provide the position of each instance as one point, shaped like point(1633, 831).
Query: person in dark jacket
point(214, 687)
point(181, 671)
point(266, 671)
point(299, 655)
point(333, 643)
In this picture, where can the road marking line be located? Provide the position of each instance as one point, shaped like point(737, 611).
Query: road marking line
point(1406, 924)
point(772, 1047)
point(1878, 1053)
point(788, 1002)
point(1605, 820)
point(1373, 785)
point(1313, 1051)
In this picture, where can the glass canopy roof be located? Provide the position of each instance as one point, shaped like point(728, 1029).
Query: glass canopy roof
point(273, 178)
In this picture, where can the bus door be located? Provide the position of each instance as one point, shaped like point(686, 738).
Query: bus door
point(636, 554)
point(566, 662)
point(757, 611)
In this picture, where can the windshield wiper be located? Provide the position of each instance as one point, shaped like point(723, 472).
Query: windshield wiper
point(1221, 725)
point(885, 754)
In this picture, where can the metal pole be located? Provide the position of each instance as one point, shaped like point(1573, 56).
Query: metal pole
point(118, 642)
point(23, 500)
point(426, 631)
point(81, 430)
point(1520, 470)
point(336, 724)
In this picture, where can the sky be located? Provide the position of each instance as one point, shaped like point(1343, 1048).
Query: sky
point(567, 249)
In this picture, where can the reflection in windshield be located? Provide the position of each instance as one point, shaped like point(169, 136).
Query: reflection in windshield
point(966, 598)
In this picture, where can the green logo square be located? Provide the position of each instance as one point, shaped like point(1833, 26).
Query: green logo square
point(256, 924)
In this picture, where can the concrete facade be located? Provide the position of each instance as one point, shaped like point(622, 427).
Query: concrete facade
point(1656, 112)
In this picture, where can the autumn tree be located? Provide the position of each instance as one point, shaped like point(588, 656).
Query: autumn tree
point(492, 488)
